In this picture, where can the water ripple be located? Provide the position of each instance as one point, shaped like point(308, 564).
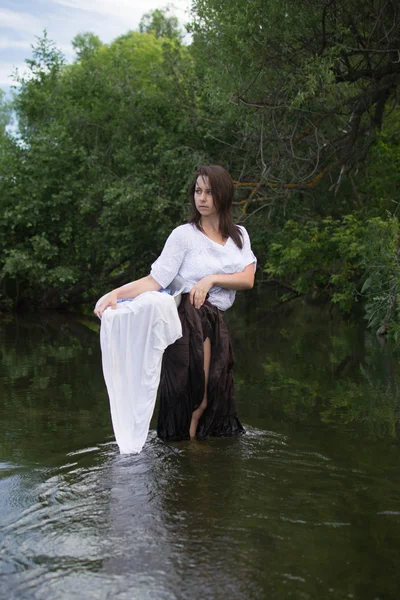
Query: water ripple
point(137, 526)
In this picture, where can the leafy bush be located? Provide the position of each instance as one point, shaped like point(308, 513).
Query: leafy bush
point(348, 259)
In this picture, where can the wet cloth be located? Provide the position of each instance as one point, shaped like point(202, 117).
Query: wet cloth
point(189, 253)
point(182, 377)
point(133, 338)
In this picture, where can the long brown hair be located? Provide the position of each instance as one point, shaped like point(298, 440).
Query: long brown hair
point(222, 192)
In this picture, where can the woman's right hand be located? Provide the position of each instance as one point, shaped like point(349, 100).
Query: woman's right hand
point(109, 300)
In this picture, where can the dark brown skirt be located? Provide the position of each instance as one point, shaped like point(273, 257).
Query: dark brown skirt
point(182, 377)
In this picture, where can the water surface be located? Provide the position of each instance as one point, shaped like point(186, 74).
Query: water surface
point(306, 505)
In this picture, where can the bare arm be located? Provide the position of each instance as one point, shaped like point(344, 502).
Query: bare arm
point(235, 281)
point(132, 290)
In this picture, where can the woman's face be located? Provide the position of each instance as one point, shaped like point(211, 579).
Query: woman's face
point(203, 198)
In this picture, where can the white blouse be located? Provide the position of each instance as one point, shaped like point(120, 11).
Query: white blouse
point(192, 255)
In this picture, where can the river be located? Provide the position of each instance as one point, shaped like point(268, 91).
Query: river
point(306, 505)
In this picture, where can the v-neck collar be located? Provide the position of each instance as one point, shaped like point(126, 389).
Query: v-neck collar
point(214, 242)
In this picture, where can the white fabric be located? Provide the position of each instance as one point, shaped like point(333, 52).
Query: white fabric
point(192, 255)
point(133, 338)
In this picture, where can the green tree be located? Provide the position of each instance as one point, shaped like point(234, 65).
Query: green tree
point(97, 179)
point(85, 44)
point(303, 87)
point(295, 99)
point(161, 23)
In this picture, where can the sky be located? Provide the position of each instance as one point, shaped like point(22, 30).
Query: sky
point(21, 21)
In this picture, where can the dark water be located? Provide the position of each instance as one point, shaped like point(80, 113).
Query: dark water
point(306, 505)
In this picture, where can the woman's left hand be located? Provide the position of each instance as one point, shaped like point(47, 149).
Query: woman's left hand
point(199, 292)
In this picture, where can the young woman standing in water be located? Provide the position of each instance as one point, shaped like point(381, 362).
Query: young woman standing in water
point(214, 258)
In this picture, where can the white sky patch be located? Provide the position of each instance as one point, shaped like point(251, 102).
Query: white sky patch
point(112, 18)
point(7, 42)
point(123, 9)
point(19, 21)
point(104, 7)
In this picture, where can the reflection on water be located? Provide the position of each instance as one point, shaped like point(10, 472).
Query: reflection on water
point(301, 364)
point(305, 505)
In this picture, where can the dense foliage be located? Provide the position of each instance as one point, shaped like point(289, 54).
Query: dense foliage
point(299, 100)
point(91, 186)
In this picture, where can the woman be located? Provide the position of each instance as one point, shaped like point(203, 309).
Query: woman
point(214, 257)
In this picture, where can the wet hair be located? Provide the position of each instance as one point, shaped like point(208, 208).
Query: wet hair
point(222, 192)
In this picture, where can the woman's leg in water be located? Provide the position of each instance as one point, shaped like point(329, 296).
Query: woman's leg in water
point(200, 409)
